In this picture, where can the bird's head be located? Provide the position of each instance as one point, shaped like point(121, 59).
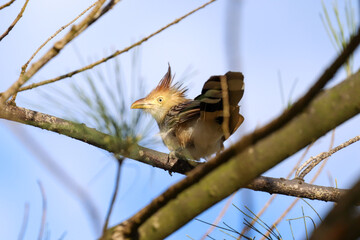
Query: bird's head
point(162, 98)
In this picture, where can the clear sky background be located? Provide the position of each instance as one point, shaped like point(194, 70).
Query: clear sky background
point(266, 40)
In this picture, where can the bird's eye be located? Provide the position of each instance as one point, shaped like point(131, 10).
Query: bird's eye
point(160, 99)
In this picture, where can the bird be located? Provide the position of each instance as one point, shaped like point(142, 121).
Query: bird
point(196, 128)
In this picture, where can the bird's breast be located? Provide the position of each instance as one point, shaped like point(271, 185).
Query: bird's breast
point(194, 140)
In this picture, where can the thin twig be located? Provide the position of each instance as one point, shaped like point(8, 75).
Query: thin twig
point(44, 209)
point(7, 4)
point(283, 215)
point(116, 53)
point(15, 21)
point(51, 53)
point(24, 222)
point(314, 161)
point(24, 67)
point(267, 204)
point(116, 190)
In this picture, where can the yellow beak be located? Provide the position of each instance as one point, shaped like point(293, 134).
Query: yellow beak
point(141, 104)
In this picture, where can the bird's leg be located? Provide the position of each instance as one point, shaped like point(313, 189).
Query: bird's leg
point(172, 158)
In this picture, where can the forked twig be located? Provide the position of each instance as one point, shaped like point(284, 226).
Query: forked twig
point(15, 21)
point(116, 53)
point(24, 67)
point(314, 161)
point(51, 53)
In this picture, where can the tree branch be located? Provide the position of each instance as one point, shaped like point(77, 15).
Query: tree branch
point(319, 117)
point(15, 21)
point(53, 52)
point(251, 139)
point(116, 53)
point(296, 188)
point(7, 4)
point(93, 137)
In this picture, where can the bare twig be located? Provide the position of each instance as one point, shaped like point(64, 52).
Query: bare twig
point(314, 161)
point(44, 209)
point(116, 53)
point(24, 222)
point(116, 190)
point(15, 21)
point(24, 67)
point(7, 4)
point(54, 51)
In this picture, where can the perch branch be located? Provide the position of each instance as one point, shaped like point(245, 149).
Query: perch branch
point(329, 101)
point(320, 117)
point(251, 139)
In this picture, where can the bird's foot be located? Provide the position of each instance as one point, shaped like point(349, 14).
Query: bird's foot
point(172, 158)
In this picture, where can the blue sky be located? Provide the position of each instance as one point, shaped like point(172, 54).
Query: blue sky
point(272, 39)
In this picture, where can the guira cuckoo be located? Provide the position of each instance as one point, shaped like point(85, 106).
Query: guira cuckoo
point(196, 128)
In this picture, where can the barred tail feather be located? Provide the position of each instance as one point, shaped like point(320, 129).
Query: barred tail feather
point(221, 95)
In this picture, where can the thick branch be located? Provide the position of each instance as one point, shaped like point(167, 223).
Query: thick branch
point(343, 96)
point(92, 136)
point(247, 141)
point(323, 112)
point(331, 108)
point(158, 159)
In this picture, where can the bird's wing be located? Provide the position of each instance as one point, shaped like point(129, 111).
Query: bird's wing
point(219, 100)
point(183, 113)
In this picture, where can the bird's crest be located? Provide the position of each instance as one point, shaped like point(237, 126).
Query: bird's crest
point(165, 84)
